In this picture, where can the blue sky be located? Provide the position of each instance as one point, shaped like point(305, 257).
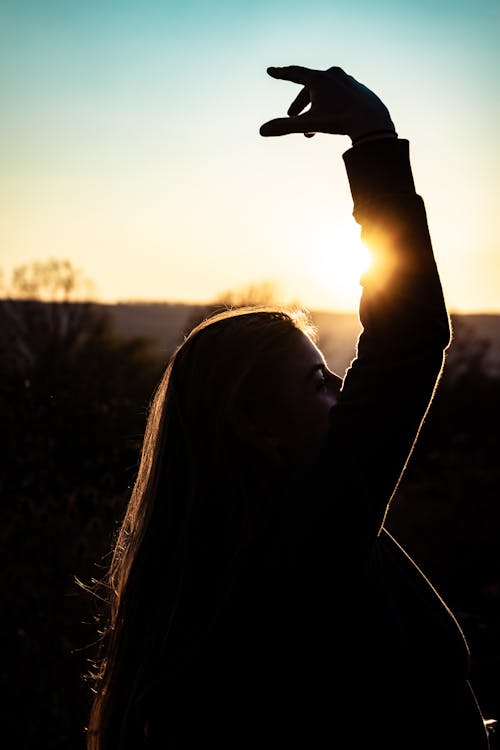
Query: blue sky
point(129, 142)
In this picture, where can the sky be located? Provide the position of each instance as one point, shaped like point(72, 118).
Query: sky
point(129, 143)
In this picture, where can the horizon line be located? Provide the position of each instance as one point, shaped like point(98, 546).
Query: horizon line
point(210, 303)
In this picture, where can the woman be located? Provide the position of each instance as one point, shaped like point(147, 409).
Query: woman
point(255, 597)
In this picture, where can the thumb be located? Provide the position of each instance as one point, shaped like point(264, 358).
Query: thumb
point(285, 125)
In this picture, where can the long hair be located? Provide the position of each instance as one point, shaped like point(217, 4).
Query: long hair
point(202, 482)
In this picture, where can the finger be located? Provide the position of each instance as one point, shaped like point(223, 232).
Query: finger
point(285, 125)
point(294, 73)
point(300, 102)
point(304, 123)
point(309, 135)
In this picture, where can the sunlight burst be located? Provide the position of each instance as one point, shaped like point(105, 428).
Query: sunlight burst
point(341, 260)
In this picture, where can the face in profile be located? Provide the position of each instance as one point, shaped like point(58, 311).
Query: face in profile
point(299, 418)
point(255, 381)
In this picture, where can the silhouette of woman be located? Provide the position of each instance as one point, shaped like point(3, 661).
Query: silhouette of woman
point(255, 598)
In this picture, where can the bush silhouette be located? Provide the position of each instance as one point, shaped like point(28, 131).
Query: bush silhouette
point(447, 511)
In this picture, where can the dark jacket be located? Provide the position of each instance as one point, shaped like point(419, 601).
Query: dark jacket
point(331, 636)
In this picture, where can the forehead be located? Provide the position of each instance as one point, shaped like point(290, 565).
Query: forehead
point(301, 357)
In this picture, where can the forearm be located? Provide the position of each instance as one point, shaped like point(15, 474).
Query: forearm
point(402, 305)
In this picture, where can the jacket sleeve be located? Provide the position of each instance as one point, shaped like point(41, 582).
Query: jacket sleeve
point(405, 331)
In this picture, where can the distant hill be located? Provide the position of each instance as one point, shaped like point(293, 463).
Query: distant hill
point(338, 332)
point(165, 323)
point(168, 322)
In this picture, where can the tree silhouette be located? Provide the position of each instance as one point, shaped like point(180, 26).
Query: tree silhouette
point(265, 292)
point(45, 310)
point(73, 398)
point(52, 280)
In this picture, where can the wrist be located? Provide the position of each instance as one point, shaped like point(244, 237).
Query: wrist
point(379, 169)
point(374, 135)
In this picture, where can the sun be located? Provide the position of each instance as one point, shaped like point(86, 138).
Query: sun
point(336, 262)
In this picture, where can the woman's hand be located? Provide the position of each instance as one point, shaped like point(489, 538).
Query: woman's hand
point(339, 104)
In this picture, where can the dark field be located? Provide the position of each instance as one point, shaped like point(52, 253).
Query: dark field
point(76, 382)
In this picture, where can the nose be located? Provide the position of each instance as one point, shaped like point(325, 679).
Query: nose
point(334, 382)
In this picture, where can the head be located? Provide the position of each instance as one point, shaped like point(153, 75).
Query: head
point(251, 382)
